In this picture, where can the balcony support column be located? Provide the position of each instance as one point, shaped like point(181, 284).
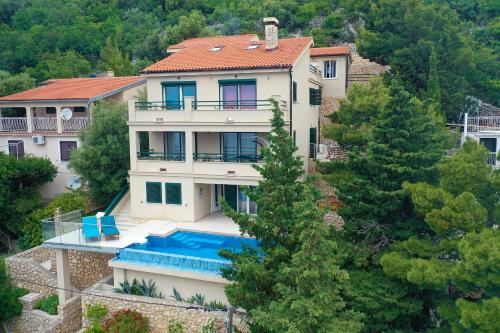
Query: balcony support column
point(59, 119)
point(63, 281)
point(29, 119)
point(134, 147)
point(188, 107)
point(189, 150)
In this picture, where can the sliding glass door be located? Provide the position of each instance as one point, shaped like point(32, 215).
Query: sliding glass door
point(176, 92)
point(174, 146)
point(234, 197)
point(239, 147)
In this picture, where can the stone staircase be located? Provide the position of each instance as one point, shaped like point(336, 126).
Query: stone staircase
point(122, 213)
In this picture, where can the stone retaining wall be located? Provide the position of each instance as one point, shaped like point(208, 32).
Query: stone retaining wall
point(67, 320)
point(27, 272)
point(159, 311)
point(86, 268)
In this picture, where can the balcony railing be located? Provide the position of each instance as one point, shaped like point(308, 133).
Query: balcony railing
point(235, 158)
point(492, 159)
point(159, 106)
point(250, 105)
point(315, 70)
point(45, 124)
point(160, 155)
point(483, 124)
point(13, 124)
point(75, 124)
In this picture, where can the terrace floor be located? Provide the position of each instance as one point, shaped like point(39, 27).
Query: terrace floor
point(137, 233)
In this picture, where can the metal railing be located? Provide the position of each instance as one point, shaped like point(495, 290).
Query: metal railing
point(483, 124)
point(315, 70)
point(45, 124)
point(159, 106)
point(240, 105)
point(75, 124)
point(13, 124)
point(235, 158)
point(161, 155)
point(492, 159)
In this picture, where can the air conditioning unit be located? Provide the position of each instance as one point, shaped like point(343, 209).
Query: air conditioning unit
point(38, 139)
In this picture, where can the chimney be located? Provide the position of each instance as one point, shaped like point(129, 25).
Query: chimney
point(108, 74)
point(271, 32)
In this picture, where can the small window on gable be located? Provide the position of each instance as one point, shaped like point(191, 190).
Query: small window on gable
point(153, 192)
point(217, 48)
point(330, 69)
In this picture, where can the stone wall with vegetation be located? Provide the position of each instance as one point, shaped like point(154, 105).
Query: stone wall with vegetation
point(27, 272)
point(67, 320)
point(158, 311)
point(86, 268)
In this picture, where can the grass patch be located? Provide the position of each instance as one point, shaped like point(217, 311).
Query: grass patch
point(48, 304)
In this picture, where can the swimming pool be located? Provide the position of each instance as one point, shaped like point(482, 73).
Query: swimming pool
point(185, 250)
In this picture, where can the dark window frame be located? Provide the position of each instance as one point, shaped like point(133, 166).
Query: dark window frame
point(14, 144)
point(64, 157)
point(177, 187)
point(160, 196)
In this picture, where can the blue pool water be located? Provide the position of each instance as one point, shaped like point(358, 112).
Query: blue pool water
point(185, 250)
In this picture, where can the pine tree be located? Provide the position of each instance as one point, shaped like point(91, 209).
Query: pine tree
point(406, 145)
point(433, 87)
point(292, 282)
point(457, 264)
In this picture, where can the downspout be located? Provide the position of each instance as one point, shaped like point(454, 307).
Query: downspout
point(291, 100)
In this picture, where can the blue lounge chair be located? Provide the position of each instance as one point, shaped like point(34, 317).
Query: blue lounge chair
point(90, 229)
point(108, 227)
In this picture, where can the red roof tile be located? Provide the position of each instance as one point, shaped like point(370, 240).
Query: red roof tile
point(76, 89)
point(330, 51)
point(196, 55)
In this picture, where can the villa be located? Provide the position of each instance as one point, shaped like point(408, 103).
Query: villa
point(192, 142)
point(46, 121)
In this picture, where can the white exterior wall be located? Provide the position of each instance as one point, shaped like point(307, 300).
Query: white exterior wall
point(50, 150)
point(334, 87)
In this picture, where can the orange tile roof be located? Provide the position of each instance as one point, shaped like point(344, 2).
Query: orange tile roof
point(330, 51)
point(89, 89)
point(196, 55)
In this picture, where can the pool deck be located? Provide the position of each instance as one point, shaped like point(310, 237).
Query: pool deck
point(137, 233)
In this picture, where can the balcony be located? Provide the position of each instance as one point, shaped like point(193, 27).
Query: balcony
point(204, 112)
point(42, 124)
point(160, 156)
point(483, 124)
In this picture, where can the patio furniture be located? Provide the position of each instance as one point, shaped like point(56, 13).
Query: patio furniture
point(108, 227)
point(89, 228)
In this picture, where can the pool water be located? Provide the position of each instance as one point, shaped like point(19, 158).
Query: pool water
point(185, 250)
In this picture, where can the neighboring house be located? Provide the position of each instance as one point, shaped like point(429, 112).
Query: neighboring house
point(46, 121)
point(193, 142)
point(483, 125)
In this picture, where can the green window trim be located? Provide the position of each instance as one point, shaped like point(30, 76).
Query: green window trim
point(173, 193)
point(178, 83)
point(314, 96)
point(153, 192)
point(294, 91)
point(237, 81)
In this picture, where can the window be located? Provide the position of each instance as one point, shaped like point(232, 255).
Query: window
point(294, 137)
point(50, 110)
point(217, 48)
point(79, 109)
point(253, 46)
point(314, 96)
point(66, 147)
point(173, 193)
point(330, 69)
point(294, 92)
point(153, 192)
point(16, 148)
point(245, 205)
point(238, 94)
point(175, 92)
point(239, 147)
point(174, 146)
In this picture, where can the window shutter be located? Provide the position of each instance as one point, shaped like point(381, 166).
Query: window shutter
point(314, 96)
point(294, 91)
point(153, 192)
point(173, 193)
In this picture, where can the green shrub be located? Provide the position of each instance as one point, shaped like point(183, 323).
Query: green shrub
point(48, 304)
point(143, 288)
point(31, 232)
point(96, 314)
point(175, 326)
point(209, 327)
point(127, 321)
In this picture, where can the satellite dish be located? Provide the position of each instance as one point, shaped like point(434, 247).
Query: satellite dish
point(66, 114)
